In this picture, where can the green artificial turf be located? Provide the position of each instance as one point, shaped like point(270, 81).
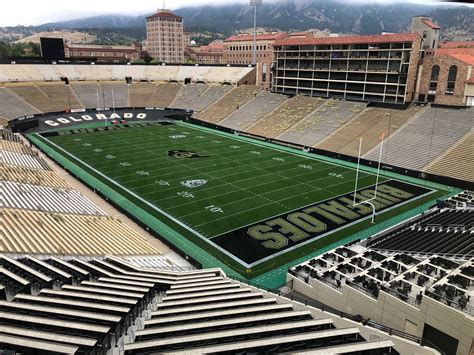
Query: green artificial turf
point(228, 183)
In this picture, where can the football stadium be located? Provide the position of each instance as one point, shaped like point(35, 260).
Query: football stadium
point(186, 209)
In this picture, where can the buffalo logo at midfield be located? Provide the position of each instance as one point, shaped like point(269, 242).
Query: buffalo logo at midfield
point(193, 183)
point(185, 154)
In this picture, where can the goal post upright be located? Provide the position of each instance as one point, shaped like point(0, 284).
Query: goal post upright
point(376, 179)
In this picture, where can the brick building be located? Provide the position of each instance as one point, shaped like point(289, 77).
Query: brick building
point(378, 68)
point(447, 75)
point(166, 39)
point(239, 49)
point(427, 29)
point(210, 54)
point(102, 53)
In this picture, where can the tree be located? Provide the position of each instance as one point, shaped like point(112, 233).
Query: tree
point(147, 58)
point(4, 48)
point(35, 49)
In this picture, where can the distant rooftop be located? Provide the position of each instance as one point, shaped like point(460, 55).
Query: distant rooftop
point(459, 44)
point(398, 37)
point(260, 37)
point(164, 13)
point(431, 24)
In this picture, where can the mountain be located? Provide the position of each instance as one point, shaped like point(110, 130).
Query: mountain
point(336, 16)
point(104, 21)
point(285, 15)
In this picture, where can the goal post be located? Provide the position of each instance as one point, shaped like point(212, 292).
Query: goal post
point(368, 202)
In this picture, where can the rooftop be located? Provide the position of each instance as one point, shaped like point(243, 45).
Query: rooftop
point(463, 54)
point(99, 47)
point(459, 44)
point(398, 37)
point(431, 24)
point(260, 37)
point(164, 13)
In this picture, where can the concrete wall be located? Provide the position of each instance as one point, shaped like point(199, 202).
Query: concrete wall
point(403, 346)
point(392, 312)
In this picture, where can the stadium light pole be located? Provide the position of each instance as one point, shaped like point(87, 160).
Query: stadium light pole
point(255, 3)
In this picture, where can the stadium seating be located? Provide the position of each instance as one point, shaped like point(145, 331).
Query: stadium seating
point(100, 95)
point(234, 100)
point(461, 200)
point(140, 94)
point(56, 233)
point(164, 73)
point(165, 94)
point(32, 176)
point(189, 97)
point(83, 306)
point(426, 137)
point(439, 232)
point(457, 161)
point(285, 116)
point(42, 198)
point(48, 98)
point(15, 147)
point(322, 122)
point(25, 160)
point(12, 106)
point(160, 262)
point(411, 280)
point(369, 125)
point(255, 109)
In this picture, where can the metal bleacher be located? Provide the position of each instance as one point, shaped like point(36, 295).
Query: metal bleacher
point(111, 306)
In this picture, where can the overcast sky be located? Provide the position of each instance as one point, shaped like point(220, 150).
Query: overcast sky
point(36, 12)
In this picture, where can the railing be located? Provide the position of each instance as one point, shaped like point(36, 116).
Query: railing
point(450, 303)
point(362, 289)
point(357, 318)
point(405, 298)
point(365, 322)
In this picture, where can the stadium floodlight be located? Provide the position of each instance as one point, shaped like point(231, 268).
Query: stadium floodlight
point(255, 4)
point(368, 202)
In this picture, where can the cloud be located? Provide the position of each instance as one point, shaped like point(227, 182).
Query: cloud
point(36, 12)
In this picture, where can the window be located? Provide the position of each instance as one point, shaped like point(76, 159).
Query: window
point(453, 72)
point(434, 77)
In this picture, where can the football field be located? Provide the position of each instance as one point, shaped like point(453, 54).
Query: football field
point(243, 201)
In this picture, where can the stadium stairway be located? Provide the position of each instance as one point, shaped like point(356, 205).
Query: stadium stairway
point(109, 306)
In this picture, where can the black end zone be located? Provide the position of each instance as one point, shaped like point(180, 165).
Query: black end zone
point(274, 235)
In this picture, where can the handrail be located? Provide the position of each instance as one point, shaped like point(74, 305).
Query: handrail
point(356, 318)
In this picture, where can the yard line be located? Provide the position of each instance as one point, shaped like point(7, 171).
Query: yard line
point(225, 217)
point(253, 186)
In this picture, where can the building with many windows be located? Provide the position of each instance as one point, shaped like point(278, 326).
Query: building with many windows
point(166, 38)
point(102, 53)
point(239, 50)
point(447, 75)
point(210, 54)
point(376, 68)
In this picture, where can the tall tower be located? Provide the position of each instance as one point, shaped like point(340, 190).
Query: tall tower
point(165, 37)
point(427, 29)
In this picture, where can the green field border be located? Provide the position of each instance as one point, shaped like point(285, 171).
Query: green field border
point(278, 266)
